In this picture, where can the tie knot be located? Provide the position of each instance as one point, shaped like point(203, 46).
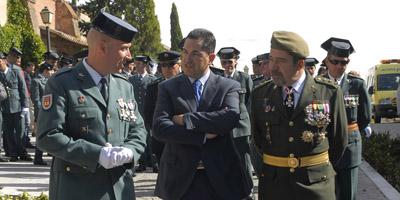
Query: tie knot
point(289, 90)
point(104, 80)
point(197, 83)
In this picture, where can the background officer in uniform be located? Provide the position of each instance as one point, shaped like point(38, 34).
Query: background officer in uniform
point(3, 96)
point(257, 77)
point(299, 122)
point(170, 64)
point(358, 110)
point(129, 68)
point(37, 90)
point(140, 81)
point(89, 120)
point(310, 65)
point(241, 133)
point(194, 116)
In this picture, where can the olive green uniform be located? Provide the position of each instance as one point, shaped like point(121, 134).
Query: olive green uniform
point(75, 122)
point(279, 135)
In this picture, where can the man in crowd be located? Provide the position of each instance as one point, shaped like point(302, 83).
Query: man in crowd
point(65, 62)
point(299, 123)
point(195, 115)
point(3, 96)
point(358, 110)
point(310, 65)
point(129, 68)
point(89, 120)
point(140, 81)
point(170, 65)
point(257, 77)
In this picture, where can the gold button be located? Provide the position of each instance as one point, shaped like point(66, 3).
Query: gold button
point(323, 178)
point(83, 115)
point(266, 123)
point(291, 170)
point(68, 169)
point(291, 123)
point(108, 116)
point(83, 129)
point(109, 131)
point(291, 139)
point(291, 155)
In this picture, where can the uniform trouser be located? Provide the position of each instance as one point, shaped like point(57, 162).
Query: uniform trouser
point(256, 158)
point(38, 155)
point(27, 123)
point(157, 148)
point(242, 145)
point(14, 133)
point(147, 159)
point(346, 183)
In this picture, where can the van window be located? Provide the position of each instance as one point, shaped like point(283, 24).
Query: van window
point(388, 81)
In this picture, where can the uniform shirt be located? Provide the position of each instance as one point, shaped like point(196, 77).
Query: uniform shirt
point(338, 80)
point(96, 77)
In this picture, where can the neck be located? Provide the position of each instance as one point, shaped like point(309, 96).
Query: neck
point(97, 65)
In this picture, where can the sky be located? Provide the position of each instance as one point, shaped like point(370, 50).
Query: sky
point(371, 26)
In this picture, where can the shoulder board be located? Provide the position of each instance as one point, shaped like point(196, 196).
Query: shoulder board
point(118, 75)
point(258, 78)
point(325, 81)
point(263, 84)
point(355, 77)
point(63, 70)
point(156, 81)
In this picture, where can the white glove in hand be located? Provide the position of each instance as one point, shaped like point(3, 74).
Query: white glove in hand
point(368, 131)
point(25, 109)
point(122, 155)
point(105, 157)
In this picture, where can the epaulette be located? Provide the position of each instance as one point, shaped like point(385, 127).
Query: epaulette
point(352, 76)
point(118, 75)
point(156, 81)
point(263, 84)
point(63, 70)
point(325, 81)
point(258, 78)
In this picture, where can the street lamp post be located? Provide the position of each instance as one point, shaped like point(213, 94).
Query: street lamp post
point(46, 16)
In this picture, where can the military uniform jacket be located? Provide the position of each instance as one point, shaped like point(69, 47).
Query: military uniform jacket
point(277, 134)
point(37, 91)
point(150, 102)
point(358, 109)
point(140, 86)
point(75, 123)
point(246, 84)
point(217, 113)
point(17, 92)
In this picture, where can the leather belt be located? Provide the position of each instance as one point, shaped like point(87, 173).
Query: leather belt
point(351, 127)
point(293, 162)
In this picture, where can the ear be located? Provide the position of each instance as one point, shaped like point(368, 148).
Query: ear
point(211, 56)
point(103, 47)
point(300, 64)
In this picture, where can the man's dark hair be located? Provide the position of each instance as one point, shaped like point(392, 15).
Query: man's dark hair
point(206, 36)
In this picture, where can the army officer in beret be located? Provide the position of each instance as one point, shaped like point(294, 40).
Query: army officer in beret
point(358, 110)
point(299, 122)
point(89, 119)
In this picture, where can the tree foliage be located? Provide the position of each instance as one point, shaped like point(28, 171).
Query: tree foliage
point(139, 13)
point(176, 33)
point(18, 32)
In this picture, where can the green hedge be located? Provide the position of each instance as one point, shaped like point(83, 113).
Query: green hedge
point(24, 196)
point(383, 154)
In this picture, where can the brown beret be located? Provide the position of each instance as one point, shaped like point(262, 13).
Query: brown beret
point(290, 42)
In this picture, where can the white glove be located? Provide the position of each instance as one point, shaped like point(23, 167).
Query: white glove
point(122, 155)
point(105, 158)
point(368, 131)
point(25, 109)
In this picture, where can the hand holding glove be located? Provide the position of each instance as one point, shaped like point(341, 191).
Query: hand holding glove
point(111, 157)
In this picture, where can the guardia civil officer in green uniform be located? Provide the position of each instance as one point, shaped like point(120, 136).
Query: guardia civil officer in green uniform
point(257, 77)
point(37, 91)
point(310, 65)
point(89, 120)
point(241, 133)
point(140, 81)
point(358, 110)
point(170, 66)
point(299, 122)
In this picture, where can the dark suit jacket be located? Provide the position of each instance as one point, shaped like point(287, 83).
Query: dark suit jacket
point(218, 113)
point(17, 92)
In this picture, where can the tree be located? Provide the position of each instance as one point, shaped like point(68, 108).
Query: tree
point(18, 32)
point(139, 13)
point(176, 33)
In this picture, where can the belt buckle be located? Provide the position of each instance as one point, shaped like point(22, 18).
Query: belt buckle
point(293, 162)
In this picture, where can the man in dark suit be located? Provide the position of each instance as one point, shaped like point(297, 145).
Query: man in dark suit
point(229, 60)
point(170, 65)
point(89, 119)
point(299, 123)
point(194, 116)
point(140, 81)
point(13, 109)
point(358, 110)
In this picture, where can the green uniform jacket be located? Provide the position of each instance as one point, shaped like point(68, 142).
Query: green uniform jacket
point(358, 109)
point(140, 86)
point(37, 90)
point(280, 135)
point(77, 124)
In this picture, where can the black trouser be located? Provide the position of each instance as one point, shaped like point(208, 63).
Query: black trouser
point(14, 127)
point(242, 145)
point(147, 159)
point(200, 188)
point(157, 148)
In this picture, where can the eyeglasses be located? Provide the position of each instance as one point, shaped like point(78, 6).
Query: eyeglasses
point(224, 62)
point(342, 62)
